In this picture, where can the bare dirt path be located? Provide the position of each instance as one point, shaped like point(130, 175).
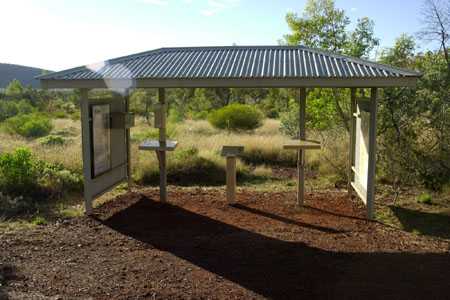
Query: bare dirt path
point(198, 247)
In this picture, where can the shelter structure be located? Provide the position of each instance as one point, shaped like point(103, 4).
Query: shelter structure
point(106, 122)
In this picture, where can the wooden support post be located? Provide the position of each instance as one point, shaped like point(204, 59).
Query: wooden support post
point(162, 153)
point(86, 144)
point(351, 161)
point(231, 179)
point(301, 153)
point(372, 154)
point(128, 141)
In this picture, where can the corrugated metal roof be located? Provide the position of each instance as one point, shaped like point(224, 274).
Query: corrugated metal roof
point(235, 62)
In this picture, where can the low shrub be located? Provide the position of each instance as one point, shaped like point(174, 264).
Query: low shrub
point(9, 109)
point(186, 167)
point(22, 174)
point(175, 116)
point(236, 117)
point(60, 114)
point(18, 173)
point(66, 132)
point(39, 220)
point(55, 180)
point(26, 181)
point(75, 115)
point(52, 140)
point(29, 125)
point(201, 115)
point(272, 156)
point(425, 198)
point(24, 107)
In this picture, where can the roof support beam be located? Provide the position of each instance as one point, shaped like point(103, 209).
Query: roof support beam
point(162, 153)
point(232, 83)
point(301, 152)
point(372, 153)
point(85, 137)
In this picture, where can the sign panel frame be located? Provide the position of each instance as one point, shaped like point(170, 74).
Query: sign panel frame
point(363, 148)
point(98, 183)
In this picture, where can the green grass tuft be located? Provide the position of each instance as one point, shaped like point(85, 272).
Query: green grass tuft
point(425, 198)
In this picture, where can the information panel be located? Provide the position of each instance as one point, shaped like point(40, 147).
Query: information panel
point(361, 154)
point(101, 139)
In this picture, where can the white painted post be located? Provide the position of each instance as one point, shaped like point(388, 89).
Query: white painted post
point(372, 154)
point(231, 179)
point(352, 144)
point(86, 144)
point(162, 152)
point(301, 153)
point(128, 141)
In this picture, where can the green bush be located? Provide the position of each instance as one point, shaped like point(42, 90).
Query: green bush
point(9, 109)
point(201, 115)
point(29, 125)
point(75, 115)
point(57, 181)
point(24, 107)
point(175, 116)
point(52, 140)
point(236, 117)
point(39, 220)
point(60, 114)
point(18, 173)
point(22, 174)
point(425, 198)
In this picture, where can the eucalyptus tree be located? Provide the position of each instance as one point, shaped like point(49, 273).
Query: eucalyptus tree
point(323, 25)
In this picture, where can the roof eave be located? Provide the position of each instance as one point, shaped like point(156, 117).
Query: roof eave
point(407, 81)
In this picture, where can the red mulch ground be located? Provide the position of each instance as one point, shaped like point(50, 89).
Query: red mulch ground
point(198, 247)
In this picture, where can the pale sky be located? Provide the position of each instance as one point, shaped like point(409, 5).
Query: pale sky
point(59, 34)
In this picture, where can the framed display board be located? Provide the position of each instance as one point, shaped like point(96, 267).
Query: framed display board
point(100, 138)
point(361, 154)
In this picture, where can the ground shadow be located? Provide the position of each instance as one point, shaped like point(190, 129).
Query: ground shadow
point(331, 213)
point(285, 220)
point(7, 273)
point(278, 269)
point(432, 224)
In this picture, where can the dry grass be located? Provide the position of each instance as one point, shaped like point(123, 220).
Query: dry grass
point(263, 147)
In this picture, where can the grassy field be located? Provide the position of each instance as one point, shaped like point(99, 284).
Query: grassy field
point(263, 149)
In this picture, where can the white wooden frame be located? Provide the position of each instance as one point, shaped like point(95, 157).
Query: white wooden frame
point(121, 168)
point(366, 189)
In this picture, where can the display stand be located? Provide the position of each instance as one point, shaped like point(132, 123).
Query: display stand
point(231, 152)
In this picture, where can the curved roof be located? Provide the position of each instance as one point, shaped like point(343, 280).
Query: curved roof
point(246, 66)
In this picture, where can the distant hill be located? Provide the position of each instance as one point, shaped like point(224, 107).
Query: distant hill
point(24, 74)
